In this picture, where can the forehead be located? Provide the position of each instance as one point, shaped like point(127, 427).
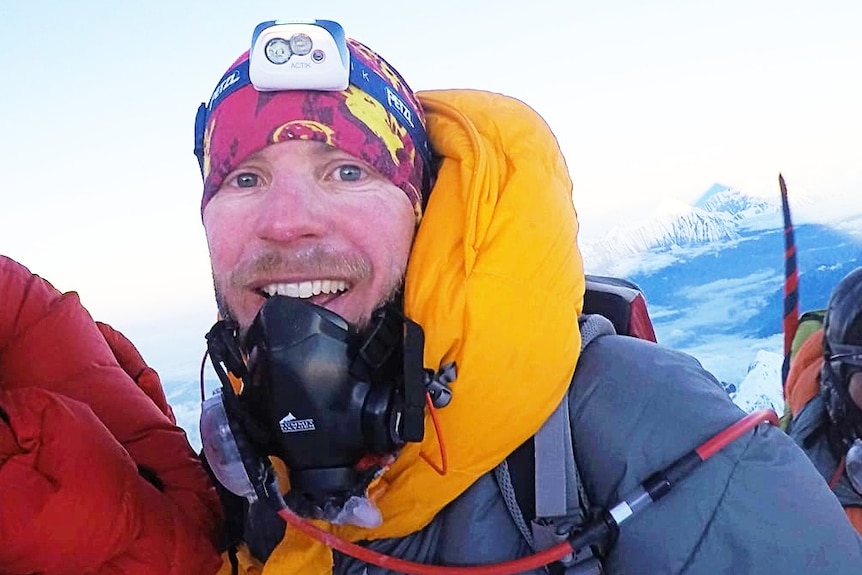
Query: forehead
point(295, 149)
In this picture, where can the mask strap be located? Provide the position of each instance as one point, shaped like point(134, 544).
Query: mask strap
point(412, 425)
point(225, 355)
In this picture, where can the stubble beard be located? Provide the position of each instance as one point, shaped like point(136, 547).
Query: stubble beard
point(313, 263)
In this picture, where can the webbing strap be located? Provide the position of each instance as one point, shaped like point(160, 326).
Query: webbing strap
point(559, 495)
point(559, 490)
point(504, 480)
point(560, 498)
point(557, 481)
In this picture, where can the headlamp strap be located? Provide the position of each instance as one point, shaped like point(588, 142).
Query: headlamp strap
point(200, 127)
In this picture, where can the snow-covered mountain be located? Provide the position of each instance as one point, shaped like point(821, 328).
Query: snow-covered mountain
point(673, 224)
point(733, 202)
point(717, 216)
point(718, 294)
point(761, 387)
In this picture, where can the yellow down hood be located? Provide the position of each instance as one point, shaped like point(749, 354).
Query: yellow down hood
point(496, 281)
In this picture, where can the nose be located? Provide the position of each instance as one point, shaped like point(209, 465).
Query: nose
point(291, 209)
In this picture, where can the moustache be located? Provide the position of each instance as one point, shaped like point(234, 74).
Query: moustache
point(314, 262)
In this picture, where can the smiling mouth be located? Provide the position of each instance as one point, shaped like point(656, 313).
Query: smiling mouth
point(305, 289)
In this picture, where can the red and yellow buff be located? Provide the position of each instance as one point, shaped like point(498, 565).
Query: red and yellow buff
point(241, 121)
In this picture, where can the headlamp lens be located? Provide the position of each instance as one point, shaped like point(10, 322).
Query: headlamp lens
point(318, 56)
point(278, 50)
point(300, 44)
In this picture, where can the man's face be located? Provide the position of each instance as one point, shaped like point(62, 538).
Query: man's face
point(306, 220)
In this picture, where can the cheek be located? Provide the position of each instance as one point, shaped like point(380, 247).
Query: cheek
point(391, 234)
point(223, 237)
point(404, 239)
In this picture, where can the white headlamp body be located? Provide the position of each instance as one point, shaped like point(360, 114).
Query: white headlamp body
point(299, 55)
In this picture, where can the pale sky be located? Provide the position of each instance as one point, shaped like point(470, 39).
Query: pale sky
point(648, 99)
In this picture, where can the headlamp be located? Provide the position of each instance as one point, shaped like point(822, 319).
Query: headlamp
point(308, 55)
point(299, 55)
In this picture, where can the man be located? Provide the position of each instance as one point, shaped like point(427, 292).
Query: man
point(330, 196)
point(824, 394)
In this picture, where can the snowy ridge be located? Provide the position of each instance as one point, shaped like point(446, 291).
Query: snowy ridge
point(734, 202)
point(717, 216)
point(674, 224)
point(761, 387)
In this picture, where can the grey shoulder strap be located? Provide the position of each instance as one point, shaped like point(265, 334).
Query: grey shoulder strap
point(559, 492)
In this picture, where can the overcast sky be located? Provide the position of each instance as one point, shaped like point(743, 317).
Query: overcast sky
point(648, 99)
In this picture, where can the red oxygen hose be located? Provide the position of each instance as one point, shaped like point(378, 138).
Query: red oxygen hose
point(644, 494)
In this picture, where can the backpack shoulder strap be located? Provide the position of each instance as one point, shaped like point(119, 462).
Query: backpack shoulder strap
point(809, 322)
point(558, 488)
point(558, 498)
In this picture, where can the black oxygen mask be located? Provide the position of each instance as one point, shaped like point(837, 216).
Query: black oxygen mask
point(332, 403)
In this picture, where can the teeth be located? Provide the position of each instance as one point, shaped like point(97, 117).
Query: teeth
point(305, 289)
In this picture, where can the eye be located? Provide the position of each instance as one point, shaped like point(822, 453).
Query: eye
point(246, 180)
point(348, 173)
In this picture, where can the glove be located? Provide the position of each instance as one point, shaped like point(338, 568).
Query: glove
point(74, 502)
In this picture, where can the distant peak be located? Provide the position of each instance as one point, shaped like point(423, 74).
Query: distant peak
point(714, 190)
point(736, 202)
point(674, 223)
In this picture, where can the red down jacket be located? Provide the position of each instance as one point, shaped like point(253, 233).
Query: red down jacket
point(95, 476)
